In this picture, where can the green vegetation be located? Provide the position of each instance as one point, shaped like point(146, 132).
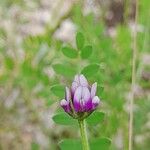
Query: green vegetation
point(35, 68)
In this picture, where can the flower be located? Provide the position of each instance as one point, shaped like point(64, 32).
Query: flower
point(80, 100)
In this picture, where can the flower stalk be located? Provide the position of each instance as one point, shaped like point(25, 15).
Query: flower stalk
point(83, 132)
point(79, 102)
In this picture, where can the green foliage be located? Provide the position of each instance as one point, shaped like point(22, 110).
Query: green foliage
point(80, 40)
point(29, 71)
point(100, 144)
point(9, 63)
point(64, 70)
point(41, 53)
point(86, 51)
point(95, 144)
point(58, 90)
point(100, 89)
point(64, 119)
point(35, 146)
point(69, 52)
point(90, 70)
point(49, 102)
point(70, 144)
point(95, 118)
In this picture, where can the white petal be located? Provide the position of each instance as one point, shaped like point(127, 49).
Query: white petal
point(83, 80)
point(93, 90)
point(74, 86)
point(95, 100)
point(68, 94)
point(63, 102)
point(76, 78)
point(78, 94)
point(85, 94)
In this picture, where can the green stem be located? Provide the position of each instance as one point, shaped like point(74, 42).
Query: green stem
point(131, 113)
point(83, 133)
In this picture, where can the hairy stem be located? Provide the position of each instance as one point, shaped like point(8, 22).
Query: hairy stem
point(83, 133)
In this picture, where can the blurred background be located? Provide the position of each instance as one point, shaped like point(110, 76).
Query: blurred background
point(32, 33)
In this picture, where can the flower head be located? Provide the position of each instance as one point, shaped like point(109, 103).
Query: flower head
point(80, 100)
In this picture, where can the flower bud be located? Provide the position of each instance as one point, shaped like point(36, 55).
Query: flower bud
point(80, 100)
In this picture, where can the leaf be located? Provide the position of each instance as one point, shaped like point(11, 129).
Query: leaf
point(70, 144)
point(100, 144)
point(86, 51)
point(100, 90)
point(58, 90)
point(35, 146)
point(95, 118)
point(49, 102)
point(95, 144)
point(64, 119)
point(9, 63)
point(80, 40)
point(64, 70)
point(69, 52)
point(90, 70)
